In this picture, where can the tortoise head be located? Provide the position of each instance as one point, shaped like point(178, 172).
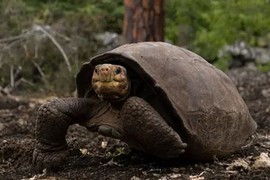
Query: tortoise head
point(110, 82)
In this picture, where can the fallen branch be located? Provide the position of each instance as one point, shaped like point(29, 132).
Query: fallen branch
point(10, 41)
point(39, 28)
point(14, 38)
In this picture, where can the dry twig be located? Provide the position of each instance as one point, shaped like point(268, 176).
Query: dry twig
point(39, 28)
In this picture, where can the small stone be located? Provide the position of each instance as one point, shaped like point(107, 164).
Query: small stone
point(238, 164)
point(104, 144)
point(84, 151)
point(163, 178)
point(175, 176)
point(267, 110)
point(262, 161)
point(22, 122)
point(32, 105)
point(135, 178)
point(156, 175)
point(144, 173)
point(231, 172)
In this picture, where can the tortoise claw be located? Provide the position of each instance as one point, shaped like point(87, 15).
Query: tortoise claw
point(109, 131)
point(51, 161)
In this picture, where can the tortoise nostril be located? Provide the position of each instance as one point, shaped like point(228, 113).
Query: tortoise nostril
point(104, 69)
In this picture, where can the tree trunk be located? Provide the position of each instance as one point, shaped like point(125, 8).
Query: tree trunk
point(143, 20)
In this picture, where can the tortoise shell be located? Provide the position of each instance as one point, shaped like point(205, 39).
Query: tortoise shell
point(202, 103)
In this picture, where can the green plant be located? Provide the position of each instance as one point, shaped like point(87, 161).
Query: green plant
point(215, 23)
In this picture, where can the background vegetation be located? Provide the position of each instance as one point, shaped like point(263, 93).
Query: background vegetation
point(31, 29)
point(206, 26)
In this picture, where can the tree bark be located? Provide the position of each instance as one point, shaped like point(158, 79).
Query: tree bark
point(143, 20)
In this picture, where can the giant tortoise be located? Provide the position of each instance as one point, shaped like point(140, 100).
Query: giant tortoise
point(158, 98)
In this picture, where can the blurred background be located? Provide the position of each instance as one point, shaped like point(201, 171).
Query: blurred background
point(43, 43)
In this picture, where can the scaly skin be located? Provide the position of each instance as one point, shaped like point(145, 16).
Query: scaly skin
point(53, 120)
point(138, 123)
point(147, 131)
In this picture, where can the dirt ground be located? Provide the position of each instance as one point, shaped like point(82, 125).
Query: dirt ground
point(96, 157)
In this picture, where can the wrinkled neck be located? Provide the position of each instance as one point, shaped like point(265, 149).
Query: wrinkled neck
point(117, 104)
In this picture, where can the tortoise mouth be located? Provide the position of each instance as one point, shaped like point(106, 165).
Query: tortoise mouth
point(110, 82)
point(111, 90)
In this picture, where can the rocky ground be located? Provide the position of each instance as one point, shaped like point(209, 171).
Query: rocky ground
point(95, 157)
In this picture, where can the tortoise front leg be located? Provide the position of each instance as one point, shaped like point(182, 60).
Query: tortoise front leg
point(146, 130)
point(53, 120)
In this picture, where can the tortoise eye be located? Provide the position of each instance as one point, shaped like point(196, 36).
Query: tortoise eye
point(118, 70)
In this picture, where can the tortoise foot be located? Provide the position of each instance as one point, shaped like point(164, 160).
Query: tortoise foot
point(147, 131)
point(51, 161)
